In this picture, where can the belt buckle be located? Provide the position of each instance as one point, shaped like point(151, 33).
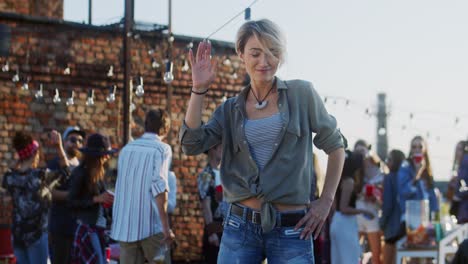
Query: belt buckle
point(254, 218)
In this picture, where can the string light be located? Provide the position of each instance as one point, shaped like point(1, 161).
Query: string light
point(382, 131)
point(25, 86)
point(90, 100)
point(168, 76)
point(171, 38)
point(6, 67)
point(154, 63)
point(190, 45)
point(247, 14)
point(232, 19)
point(111, 97)
point(16, 77)
point(67, 70)
point(110, 72)
point(39, 93)
point(227, 62)
point(139, 90)
point(57, 98)
point(71, 99)
point(186, 66)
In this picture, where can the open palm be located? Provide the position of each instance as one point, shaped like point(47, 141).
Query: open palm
point(203, 66)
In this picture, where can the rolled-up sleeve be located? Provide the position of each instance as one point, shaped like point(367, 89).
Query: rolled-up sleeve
point(328, 137)
point(198, 140)
point(159, 182)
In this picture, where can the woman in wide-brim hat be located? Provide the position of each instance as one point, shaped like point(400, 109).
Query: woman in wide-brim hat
point(87, 195)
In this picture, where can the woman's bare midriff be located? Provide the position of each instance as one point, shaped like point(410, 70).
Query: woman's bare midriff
point(256, 204)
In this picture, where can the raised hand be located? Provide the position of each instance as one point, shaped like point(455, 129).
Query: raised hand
point(203, 67)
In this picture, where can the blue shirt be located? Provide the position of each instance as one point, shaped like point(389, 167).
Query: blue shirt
point(417, 191)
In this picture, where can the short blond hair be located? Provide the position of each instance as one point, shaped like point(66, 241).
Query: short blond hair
point(267, 33)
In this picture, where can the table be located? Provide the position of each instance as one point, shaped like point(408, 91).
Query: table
point(448, 245)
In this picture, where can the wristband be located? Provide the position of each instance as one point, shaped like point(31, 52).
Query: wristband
point(199, 93)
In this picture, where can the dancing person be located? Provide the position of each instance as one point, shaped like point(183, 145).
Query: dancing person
point(213, 206)
point(415, 178)
point(266, 136)
point(461, 189)
point(390, 220)
point(87, 197)
point(30, 188)
point(344, 232)
point(141, 222)
point(61, 221)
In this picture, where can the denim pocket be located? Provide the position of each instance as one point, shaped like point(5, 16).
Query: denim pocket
point(293, 249)
point(234, 232)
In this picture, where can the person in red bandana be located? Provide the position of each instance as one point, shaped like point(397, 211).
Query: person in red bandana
point(30, 188)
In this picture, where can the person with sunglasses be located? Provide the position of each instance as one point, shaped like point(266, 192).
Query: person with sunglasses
point(61, 223)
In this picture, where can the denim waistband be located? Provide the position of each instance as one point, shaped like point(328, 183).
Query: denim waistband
point(283, 219)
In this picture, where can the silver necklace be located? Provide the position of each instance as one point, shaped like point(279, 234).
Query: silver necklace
point(262, 103)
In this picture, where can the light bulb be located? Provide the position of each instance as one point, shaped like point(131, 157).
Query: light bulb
point(111, 97)
point(186, 66)
point(227, 62)
point(66, 71)
point(150, 52)
point(71, 100)
point(56, 99)
point(224, 99)
point(168, 76)
point(132, 107)
point(16, 77)
point(110, 73)
point(139, 90)
point(171, 38)
point(39, 94)
point(234, 76)
point(154, 64)
point(25, 86)
point(190, 45)
point(382, 131)
point(90, 100)
point(6, 67)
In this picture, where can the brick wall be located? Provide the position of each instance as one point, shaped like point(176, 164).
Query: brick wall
point(42, 8)
point(41, 52)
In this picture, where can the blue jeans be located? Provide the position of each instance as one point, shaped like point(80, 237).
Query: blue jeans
point(96, 243)
point(36, 253)
point(244, 242)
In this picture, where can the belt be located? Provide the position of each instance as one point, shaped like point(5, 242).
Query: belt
point(285, 219)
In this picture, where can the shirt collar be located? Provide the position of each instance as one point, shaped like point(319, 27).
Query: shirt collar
point(152, 136)
point(240, 99)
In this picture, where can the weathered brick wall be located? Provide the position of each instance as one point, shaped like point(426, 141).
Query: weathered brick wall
point(43, 8)
point(41, 51)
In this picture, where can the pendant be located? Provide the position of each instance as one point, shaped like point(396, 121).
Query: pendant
point(261, 105)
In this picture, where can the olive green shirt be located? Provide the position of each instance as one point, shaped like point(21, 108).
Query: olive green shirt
point(287, 176)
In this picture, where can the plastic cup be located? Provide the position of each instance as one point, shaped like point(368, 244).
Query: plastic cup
point(417, 158)
point(108, 205)
point(369, 190)
point(108, 253)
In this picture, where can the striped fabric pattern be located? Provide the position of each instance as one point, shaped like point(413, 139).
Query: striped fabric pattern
point(143, 169)
point(261, 135)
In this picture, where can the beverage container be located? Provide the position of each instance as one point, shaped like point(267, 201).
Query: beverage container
point(417, 158)
point(369, 190)
point(108, 254)
point(108, 205)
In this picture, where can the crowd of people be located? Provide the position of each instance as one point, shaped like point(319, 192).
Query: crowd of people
point(262, 194)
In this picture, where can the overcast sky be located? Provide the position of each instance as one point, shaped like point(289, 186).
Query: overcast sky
point(415, 51)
